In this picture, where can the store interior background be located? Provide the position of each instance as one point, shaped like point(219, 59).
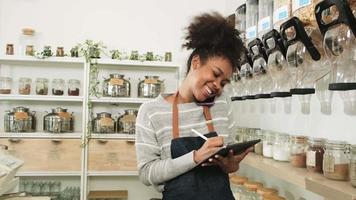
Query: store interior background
point(158, 26)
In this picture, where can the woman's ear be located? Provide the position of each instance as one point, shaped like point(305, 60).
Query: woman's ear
point(195, 64)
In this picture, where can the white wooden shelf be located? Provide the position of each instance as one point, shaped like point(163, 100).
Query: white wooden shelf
point(119, 100)
point(135, 63)
point(25, 60)
point(313, 182)
point(16, 97)
point(112, 173)
point(119, 136)
point(48, 173)
point(41, 135)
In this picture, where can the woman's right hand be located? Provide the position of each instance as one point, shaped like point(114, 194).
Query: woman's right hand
point(209, 148)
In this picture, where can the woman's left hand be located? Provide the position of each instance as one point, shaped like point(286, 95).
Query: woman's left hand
point(229, 163)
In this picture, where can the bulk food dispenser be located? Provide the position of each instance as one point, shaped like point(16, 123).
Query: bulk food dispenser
point(246, 77)
point(306, 60)
point(236, 87)
point(251, 20)
point(337, 23)
point(261, 86)
point(240, 21)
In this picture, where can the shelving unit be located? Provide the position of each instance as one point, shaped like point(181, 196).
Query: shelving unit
point(313, 182)
point(98, 144)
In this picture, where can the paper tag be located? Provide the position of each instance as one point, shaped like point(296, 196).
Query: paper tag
point(151, 81)
point(116, 81)
point(311, 158)
point(251, 32)
point(264, 24)
point(280, 14)
point(353, 170)
point(106, 121)
point(21, 115)
point(65, 115)
point(299, 4)
point(328, 164)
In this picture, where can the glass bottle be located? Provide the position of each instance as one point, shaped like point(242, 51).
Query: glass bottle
point(42, 86)
point(25, 86)
point(240, 21)
point(336, 160)
point(315, 154)
point(259, 146)
point(73, 87)
point(298, 150)
point(281, 147)
point(353, 166)
point(265, 12)
point(268, 142)
point(5, 85)
point(251, 20)
point(58, 86)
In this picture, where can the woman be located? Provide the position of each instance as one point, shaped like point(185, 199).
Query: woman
point(170, 156)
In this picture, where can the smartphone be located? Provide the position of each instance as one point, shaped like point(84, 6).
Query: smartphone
point(207, 102)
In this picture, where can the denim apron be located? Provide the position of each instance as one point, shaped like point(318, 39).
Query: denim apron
point(200, 183)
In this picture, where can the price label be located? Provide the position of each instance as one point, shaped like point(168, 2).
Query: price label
point(116, 81)
point(328, 165)
point(65, 115)
point(299, 4)
point(311, 159)
point(21, 115)
point(251, 32)
point(280, 14)
point(264, 24)
point(151, 81)
point(106, 121)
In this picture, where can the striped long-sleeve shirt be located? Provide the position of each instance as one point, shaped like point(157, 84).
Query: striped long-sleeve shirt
point(154, 135)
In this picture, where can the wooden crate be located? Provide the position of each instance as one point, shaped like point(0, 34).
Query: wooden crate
point(45, 154)
point(112, 195)
point(111, 155)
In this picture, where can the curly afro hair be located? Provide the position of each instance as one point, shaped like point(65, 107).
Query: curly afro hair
point(211, 35)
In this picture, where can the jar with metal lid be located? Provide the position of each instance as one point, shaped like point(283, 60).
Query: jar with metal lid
point(353, 166)
point(116, 86)
point(282, 11)
point(58, 86)
point(265, 17)
point(268, 141)
point(336, 160)
point(315, 154)
point(42, 86)
point(127, 122)
point(5, 85)
point(25, 86)
point(73, 87)
point(240, 21)
point(20, 119)
point(58, 121)
point(298, 149)
point(150, 87)
point(281, 147)
point(104, 123)
point(251, 20)
point(259, 146)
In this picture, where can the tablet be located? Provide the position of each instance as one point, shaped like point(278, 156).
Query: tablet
point(238, 148)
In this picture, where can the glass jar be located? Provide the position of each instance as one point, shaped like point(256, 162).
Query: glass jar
point(10, 49)
point(42, 86)
point(240, 21)
point(60, 52)
point(272, 197)
point(5, 85)
point(253, 186)
point(126, 122)
point(265, 16)
point(73, 87)
point(27, 42)
point(268, 142)
point(282, 12)
point(281, 147)
point(58, 86)
point(251, 20)
point(237, 187)
point(336, 160)
point(116, 86)
point(298, 148)
point(315, 154)
point(25, 86)
point(266, 191)
point(353, 166)
point(259, 146)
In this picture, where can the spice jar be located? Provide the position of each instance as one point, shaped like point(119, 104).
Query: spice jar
point(336, 160)
point(60, 52)
point(315, 154)
point(73, 87)
point(298, 150)
point(9, 49)
point(41, 86)
point(281, 147)
point(253, 186)
point(353, 166)
point(268, 141)
point(58, 86)
point(168, 57)
point(259, 146)
point(5, 85)
point(25, 86)
point(30, 50)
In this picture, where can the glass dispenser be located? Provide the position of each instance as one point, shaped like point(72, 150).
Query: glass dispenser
point(246, 77)
point(262, 81)
point(251, 20)
point(240, 21)
point(265, 13)
point(339, 30)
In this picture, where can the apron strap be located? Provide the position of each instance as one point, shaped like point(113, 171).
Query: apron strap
point(175, 117)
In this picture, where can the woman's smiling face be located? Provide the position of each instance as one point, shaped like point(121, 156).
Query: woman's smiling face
point(209, 78)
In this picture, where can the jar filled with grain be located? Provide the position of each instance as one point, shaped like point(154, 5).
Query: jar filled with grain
point(315, 154)
point(298, 151)
point(336, 160)
point(353, 166)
